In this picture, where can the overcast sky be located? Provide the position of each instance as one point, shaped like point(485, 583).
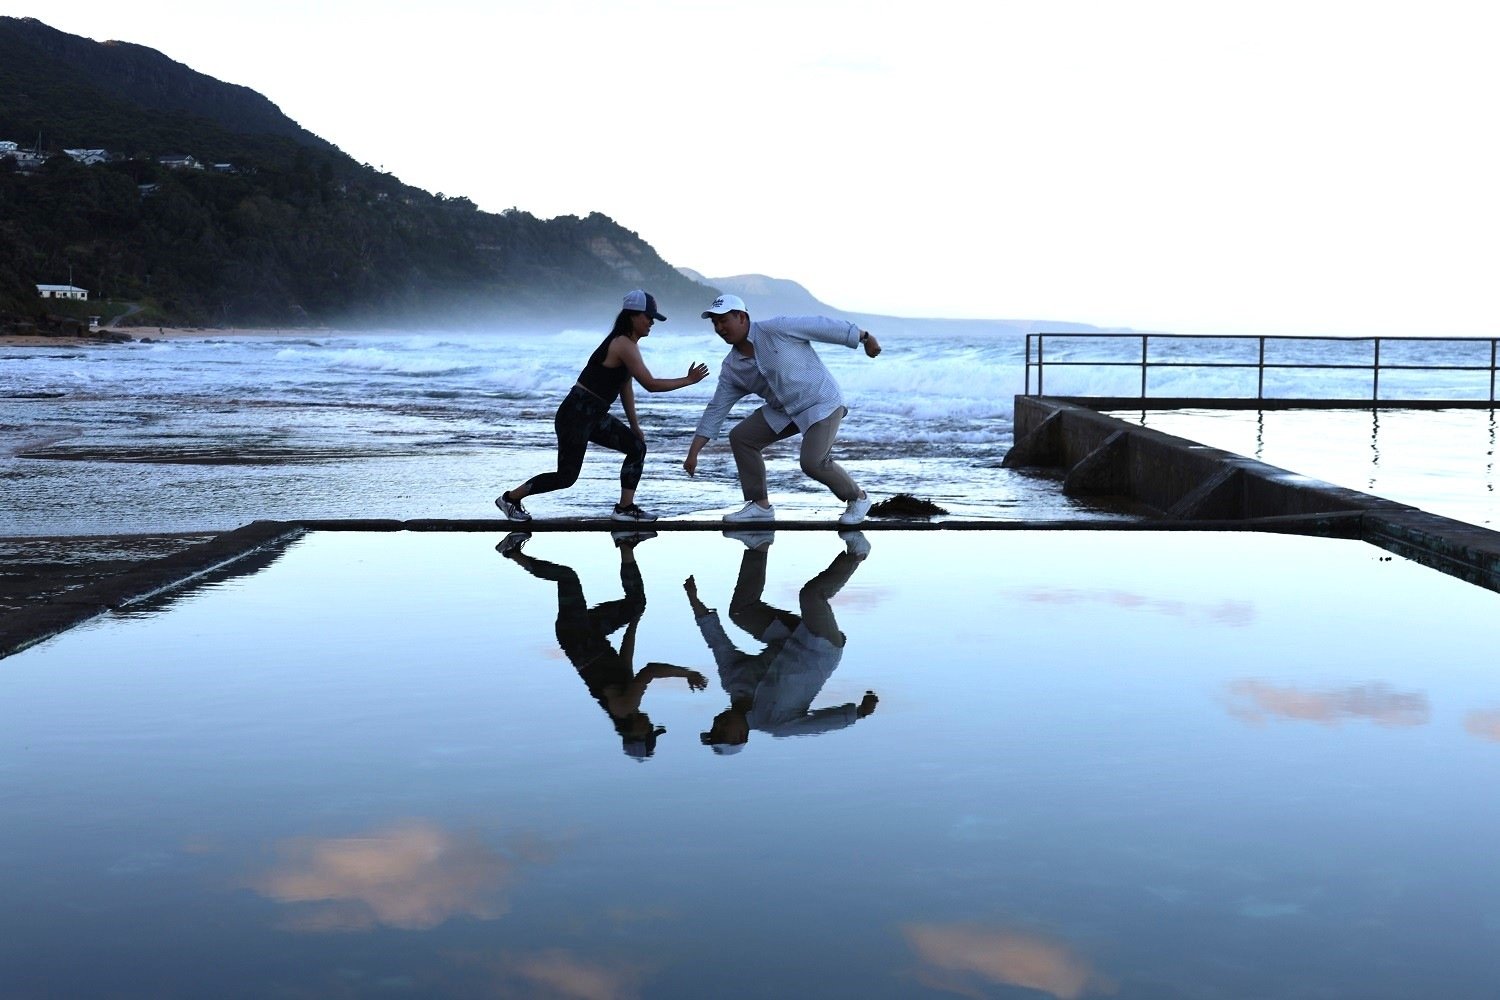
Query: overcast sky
point(1195, 166)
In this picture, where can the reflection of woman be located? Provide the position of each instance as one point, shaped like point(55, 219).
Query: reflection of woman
point(773, 690)
point(583, 633)
point(584, 413)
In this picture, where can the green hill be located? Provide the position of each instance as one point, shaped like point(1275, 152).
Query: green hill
point(291, 231)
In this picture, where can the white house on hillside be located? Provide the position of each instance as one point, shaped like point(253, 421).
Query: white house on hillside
point(88, 156)
point(63, 292)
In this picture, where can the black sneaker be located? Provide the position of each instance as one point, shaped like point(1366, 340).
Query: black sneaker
point(511, 544)
point(631, 512)
point(512, 509)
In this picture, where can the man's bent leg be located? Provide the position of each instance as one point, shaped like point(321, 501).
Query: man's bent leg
point(749, 438)
point(817, 457)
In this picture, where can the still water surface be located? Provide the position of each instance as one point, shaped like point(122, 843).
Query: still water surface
point(1142, 765)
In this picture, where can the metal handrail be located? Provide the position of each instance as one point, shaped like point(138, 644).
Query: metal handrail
point(1145, 363)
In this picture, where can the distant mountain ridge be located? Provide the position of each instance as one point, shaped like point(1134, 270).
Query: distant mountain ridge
point(145, 77)
point(294, 231)
point(291, 231)
point(767, 296)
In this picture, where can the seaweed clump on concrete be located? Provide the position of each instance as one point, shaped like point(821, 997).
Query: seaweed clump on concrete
point(906, 505)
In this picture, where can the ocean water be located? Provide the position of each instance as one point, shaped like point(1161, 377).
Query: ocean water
point(208, 434)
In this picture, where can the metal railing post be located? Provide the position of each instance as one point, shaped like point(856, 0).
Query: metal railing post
point(1041, 340)
point(1375, 388)
point(1028, 365)
point(1260, 371)
point(1144, 340)
point(1493, 341)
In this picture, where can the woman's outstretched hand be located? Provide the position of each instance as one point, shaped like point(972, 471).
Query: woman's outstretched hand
point(697, 372)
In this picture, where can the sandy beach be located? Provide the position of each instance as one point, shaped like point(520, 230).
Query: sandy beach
point(145, 333)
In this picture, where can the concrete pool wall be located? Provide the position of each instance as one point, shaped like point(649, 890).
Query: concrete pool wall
point(1182, 480)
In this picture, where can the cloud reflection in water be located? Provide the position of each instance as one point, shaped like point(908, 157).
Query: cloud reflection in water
point(413, 876)
point(1485, 725)
point(1256, 701)
point(963, 958)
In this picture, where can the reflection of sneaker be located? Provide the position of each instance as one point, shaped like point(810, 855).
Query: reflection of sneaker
point(855, 511)
point(757, 540)
point(511, 544)
point(512, 509)
point(630, 512)
point(855, 543)
point(630, 539)
point(752, 511)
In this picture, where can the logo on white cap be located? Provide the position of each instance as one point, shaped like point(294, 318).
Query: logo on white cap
point(725, 304)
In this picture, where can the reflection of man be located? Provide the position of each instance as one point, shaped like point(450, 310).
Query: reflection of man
point(773, 690)
point(583, 633)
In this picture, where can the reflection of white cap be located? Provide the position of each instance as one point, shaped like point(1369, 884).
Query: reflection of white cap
point(725, 304)
point(728, 748)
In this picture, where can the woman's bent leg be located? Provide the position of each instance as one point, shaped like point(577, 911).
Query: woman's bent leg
point(573, 422)
point(612, 433)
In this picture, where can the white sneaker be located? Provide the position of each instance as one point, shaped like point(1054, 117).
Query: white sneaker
point(855, 543)
point(757, 540)
point(752, 511)
point(856, 510)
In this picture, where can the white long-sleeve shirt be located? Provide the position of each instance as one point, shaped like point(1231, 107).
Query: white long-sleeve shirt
point(782, 680)
point(785, 371)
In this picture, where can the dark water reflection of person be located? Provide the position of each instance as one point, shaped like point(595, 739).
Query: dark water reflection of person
point(773, 690)
point(583, 633)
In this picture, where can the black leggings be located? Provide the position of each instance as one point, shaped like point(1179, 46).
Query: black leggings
point(584, 417)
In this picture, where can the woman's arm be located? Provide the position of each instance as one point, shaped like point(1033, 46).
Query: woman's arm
point(629, 355)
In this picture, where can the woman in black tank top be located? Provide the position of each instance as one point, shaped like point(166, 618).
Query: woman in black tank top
point(584, 414)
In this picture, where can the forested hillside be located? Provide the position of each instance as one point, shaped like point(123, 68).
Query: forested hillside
point(288, 230)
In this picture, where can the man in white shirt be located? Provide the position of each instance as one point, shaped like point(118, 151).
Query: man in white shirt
point(774, 359)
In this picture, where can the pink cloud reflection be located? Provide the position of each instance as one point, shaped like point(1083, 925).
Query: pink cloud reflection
point(1235, 614)
point(1485, 725)
point(413, 876)
point(965, 958)
point(1257, 701)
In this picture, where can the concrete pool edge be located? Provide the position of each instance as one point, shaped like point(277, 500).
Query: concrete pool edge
point(249, 548)
point(21, 629)
point(1187, 482)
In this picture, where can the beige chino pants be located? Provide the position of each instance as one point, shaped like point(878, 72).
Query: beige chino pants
point(753, 435)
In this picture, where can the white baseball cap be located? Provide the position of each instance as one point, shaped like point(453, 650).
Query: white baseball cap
point(726, 304)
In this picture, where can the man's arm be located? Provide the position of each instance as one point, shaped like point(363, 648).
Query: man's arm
point(819, 328)
point(691, 462)
point(726, 394)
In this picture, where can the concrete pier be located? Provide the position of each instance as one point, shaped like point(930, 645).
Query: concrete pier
point(1181, 480)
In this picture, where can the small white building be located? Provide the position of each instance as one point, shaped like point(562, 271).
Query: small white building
point(63, 292)
point(6, 146)
point(88, 156)
point(179, 162)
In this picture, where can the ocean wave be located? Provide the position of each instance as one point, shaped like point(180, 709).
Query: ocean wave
point(374, 359)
